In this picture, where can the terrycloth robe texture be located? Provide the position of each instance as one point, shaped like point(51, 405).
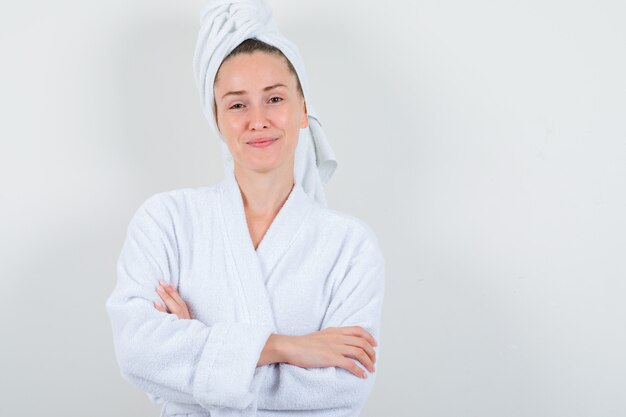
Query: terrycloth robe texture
point(227, 23)
point(315, 268)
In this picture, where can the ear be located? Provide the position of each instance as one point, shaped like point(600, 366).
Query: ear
point(305, 118)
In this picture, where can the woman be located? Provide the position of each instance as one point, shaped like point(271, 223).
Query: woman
point(265, 299)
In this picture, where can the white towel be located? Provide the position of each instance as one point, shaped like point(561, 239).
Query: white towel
point(227, 23)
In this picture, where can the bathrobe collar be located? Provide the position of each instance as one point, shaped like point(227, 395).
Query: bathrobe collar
point(254, 267)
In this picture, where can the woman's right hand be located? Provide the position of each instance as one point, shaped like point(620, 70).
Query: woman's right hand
point(332, 347)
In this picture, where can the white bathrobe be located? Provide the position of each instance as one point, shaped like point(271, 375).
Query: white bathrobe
point(315, 268)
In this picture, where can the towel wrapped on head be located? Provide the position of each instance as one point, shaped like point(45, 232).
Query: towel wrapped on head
point(227, 23)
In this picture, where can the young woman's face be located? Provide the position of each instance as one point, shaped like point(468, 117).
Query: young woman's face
point(259, 110)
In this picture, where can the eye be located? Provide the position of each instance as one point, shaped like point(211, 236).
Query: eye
point(279, 99)
point(236, 106)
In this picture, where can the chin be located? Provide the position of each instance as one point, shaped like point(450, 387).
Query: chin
point(261, 167)
point(266, 165)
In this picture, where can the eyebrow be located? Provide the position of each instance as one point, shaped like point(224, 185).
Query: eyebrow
point(242, 92)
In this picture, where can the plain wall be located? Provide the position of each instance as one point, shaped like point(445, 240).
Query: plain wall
point(484, 142)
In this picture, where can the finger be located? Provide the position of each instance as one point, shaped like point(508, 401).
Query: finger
point(366, 335)
point(351, 366)
point(162, 308)
point(182, 307)
point(169, 289)
point(360, 355)
point(361, 332)
point(363, 344)
point(174, 294)
point(169, 301)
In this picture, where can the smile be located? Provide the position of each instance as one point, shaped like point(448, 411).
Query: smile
point(262, 143)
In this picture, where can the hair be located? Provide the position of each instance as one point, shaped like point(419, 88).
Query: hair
point(253, 45)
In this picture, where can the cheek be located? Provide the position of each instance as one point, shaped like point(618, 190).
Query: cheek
point(287, 118)
point(230, 125)
point(280, 117)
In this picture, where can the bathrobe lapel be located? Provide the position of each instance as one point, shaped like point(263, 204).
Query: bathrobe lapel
point(254, 267)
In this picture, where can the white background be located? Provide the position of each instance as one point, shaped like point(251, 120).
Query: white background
point(484, 142)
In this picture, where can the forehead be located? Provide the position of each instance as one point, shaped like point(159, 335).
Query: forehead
point(253, 72)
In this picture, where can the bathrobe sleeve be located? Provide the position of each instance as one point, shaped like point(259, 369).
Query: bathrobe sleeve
point(357, 301)
point(177, 360)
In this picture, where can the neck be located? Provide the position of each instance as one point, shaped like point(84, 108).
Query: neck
point(264, 193)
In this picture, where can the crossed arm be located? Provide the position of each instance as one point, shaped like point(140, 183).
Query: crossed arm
point(320, 370)
point(329, 347)
point(186, 361)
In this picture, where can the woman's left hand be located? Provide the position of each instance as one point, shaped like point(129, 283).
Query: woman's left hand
point(172, 300)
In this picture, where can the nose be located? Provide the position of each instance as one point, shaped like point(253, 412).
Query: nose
point(258, 118)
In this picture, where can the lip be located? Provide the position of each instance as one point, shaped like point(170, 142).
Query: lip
point(262, 142)
point(257, 140)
